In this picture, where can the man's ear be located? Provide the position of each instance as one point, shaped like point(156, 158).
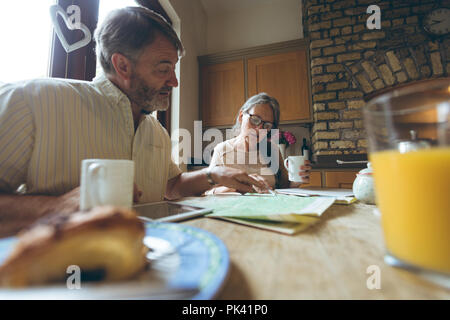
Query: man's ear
point(122, 65)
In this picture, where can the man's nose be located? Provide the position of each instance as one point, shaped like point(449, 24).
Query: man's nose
point(173, 81)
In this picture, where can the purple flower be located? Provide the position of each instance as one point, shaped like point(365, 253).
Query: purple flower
point(290, 138)
point(285, 137)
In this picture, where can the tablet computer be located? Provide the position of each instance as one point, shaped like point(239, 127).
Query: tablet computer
point(168, 211)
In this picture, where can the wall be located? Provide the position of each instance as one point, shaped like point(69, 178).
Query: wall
point(202, 34)
point(269, 22)
point(254, 25)
point(350, 62)
point(299, 132)
point(192, 20)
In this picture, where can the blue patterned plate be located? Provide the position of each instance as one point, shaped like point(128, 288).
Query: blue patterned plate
point(182, 257)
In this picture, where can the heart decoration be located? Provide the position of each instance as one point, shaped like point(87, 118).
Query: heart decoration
point(54, 11)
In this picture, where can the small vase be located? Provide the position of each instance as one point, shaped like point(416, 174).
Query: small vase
point(283, 150)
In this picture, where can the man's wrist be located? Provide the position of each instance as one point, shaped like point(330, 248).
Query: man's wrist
point(209, 177)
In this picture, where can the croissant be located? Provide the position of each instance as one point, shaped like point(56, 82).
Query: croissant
point(105, 241)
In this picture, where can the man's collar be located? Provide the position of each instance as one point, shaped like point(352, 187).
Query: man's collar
point(110, 90)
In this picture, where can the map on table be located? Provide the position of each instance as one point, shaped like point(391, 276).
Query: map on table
point(282, 208)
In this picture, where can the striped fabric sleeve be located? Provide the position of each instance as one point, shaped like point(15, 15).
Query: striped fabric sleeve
point(16, 138)
point(174, 170)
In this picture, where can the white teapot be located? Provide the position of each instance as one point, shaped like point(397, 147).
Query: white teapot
point(363, 188)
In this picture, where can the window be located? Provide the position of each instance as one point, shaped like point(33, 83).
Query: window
point(26, 35)
point(108, 5)
point(79, 64)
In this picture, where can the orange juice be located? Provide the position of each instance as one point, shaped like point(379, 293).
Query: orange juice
point(413, 195)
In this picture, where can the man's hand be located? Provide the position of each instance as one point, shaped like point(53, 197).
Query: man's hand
point(20, 211)
point(66, 203)
point(237, 179)
point(195, 183)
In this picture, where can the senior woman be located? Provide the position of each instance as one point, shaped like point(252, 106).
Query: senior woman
point(254, 122)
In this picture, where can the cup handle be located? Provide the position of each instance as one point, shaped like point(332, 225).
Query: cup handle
point(95, 172)
point(286, 164)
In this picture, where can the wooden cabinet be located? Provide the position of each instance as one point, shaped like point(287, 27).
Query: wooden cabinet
point(340, 179)
point(331, 179)
point(227, 80)
point(315, 180)
point(285, 77)
point(222, 92)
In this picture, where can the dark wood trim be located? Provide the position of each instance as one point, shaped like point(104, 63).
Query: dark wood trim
point(79, 64)
point(164, 118)
point(155, 6)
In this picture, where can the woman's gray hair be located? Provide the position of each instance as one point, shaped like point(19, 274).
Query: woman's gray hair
point(260, 98)
point(129, 30)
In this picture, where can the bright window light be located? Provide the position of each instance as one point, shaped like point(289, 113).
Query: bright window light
point(108, 5)
point(26, 32)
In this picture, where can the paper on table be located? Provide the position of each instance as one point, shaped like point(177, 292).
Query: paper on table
point(279, 208)
point(328, 192)
point(277, 226)
point(343, 196)
point(345, 200)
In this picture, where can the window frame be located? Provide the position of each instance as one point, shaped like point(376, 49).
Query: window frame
point(81, 64)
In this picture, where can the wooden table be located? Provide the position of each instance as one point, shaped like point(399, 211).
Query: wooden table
point(327, 261)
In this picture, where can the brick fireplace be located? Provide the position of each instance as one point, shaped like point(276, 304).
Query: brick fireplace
point(350, 63)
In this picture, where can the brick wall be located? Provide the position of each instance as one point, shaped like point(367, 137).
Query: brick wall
point(349, 62)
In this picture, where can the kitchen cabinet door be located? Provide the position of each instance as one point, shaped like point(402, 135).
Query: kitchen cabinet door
point(285, 77)
point(222, 92)
point(340, 179)
point(315, 180)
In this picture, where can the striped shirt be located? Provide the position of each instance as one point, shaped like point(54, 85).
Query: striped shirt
point(48, 126)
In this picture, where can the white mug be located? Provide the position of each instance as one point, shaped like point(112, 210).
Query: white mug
point(106, 182)
point(292, 165)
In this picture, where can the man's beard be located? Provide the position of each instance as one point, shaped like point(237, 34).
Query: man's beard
point(147, 98)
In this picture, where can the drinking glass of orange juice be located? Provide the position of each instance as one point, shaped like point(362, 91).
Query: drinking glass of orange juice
point(409, 147)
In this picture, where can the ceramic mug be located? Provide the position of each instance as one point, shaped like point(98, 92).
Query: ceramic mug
point(106, 182)
point(292, 165)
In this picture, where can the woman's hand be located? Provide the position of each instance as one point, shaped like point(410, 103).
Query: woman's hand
point(236, 179)
point(262, 180)
point(305, 172)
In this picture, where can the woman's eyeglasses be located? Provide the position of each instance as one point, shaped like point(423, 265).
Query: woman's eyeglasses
point(256, 121)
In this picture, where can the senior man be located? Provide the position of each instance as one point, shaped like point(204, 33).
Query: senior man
point(48, 126)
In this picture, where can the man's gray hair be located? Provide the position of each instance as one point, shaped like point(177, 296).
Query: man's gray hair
point(128, 31)
point(260, 98)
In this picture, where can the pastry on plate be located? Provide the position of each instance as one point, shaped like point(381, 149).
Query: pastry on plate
point(105, 242)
